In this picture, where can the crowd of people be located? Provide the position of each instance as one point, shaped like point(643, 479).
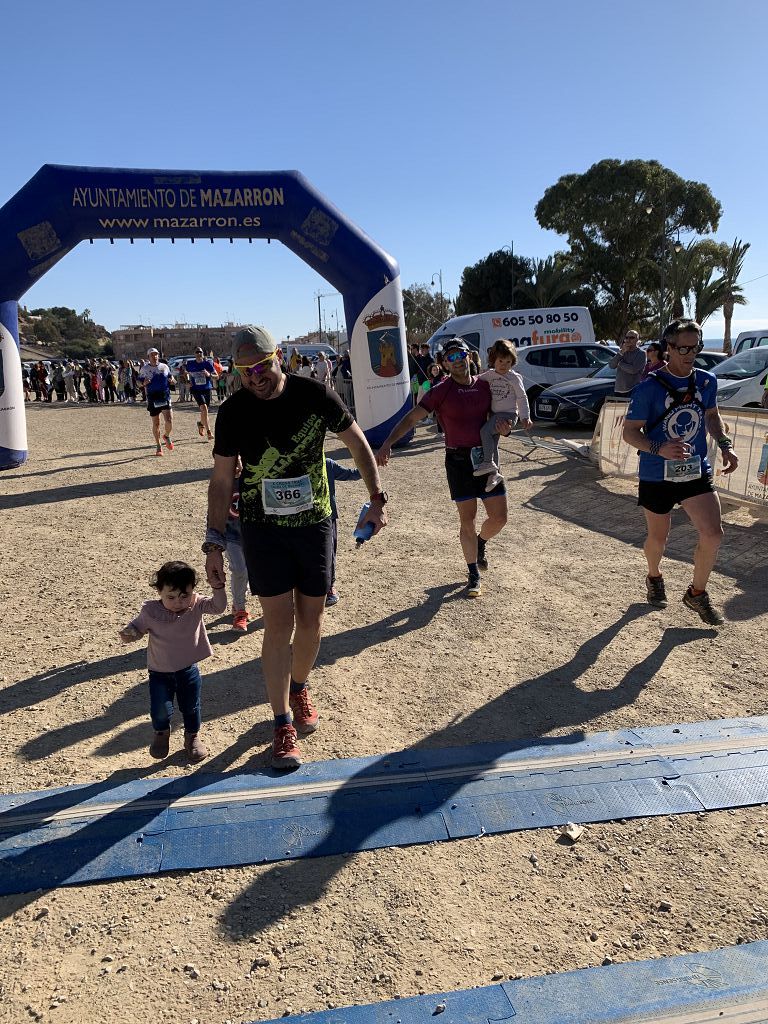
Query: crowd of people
point(271, 505)
point(103, 381)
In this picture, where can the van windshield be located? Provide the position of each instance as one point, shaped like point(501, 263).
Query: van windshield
point(745, 364)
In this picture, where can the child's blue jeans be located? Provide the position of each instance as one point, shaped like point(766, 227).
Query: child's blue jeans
point(185, 685)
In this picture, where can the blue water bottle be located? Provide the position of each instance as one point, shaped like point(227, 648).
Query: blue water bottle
point(363, 531)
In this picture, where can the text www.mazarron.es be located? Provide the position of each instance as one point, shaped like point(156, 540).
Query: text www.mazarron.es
point(144, 223)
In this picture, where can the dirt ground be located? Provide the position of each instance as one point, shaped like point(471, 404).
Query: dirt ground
point(561, 643)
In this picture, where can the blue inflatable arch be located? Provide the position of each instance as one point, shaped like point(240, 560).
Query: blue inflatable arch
point(62, 206)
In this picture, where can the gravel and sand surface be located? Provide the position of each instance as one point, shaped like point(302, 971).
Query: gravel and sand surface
point(561, 643)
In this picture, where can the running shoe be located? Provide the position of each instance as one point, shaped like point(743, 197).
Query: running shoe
point(240, 620)
point(285, 749)
point(158, 748)
point(210, 436)
point(485, 467)
point(168, 442)
point(200, 428)
point(701, 604)
point(331, 598)
point(493, 481)
point(657, 595)
point(482, 557)
point(474, 588)
point(305, 716)
point(159, 450)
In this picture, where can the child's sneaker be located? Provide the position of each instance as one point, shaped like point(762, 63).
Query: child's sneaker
point(158, 748)
point(194, 747)
point(305, 716)
point(485, 467)
point(285, 749)
point(493, 481)
point(240, 620)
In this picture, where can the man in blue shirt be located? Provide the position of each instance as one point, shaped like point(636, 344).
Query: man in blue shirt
point(668, 418)
point(201, 376)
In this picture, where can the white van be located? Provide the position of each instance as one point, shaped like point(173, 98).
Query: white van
point(523, 327)
point(750, 339)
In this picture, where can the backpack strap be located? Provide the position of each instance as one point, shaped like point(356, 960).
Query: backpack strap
point(689, 396)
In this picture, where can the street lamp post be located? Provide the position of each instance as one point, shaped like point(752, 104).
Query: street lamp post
point(318, 296)
point(439, 276)
point(511, 250)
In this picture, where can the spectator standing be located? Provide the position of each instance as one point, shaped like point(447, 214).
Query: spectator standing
point(185, 394)
point(629, 363)
point(68, 372)
point(654, 359)
point(323, 369)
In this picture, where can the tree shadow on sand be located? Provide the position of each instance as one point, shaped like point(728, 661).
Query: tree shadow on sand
point(544, 703)
point(226, 692)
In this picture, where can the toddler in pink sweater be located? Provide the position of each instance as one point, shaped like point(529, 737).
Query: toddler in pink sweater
point(177, 641)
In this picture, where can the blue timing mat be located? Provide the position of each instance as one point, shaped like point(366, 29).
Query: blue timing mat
point(108, 830)
point(729, 986)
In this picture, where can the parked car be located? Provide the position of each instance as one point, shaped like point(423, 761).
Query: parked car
point(579, 402)
point(542, 366)
point(741, 379)
point(750, 339)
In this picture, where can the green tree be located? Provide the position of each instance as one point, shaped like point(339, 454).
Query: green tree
point(618, 217)
point(492, 282)
point(734, 295)
point(424, 311)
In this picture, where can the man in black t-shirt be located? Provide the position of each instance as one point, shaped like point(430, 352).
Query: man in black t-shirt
point(277, 424)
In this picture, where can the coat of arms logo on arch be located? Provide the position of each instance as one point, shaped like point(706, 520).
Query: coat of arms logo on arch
point(384, 342)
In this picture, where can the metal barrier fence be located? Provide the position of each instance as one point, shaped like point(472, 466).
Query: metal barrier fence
point(345, 392)
point(748, 427)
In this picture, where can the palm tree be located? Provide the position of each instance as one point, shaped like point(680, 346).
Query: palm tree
point(734, 296)
point(708, 293)
point(552, 279)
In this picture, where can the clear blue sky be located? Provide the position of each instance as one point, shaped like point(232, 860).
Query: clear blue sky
point(436, 126)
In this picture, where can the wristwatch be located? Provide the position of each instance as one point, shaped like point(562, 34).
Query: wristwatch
point(381, 496)
point(208, 545)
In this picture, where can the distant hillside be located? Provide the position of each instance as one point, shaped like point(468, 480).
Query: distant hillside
point(64, 332)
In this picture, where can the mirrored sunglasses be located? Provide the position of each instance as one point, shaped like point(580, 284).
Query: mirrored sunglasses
point(456, 356)
point(254, 369)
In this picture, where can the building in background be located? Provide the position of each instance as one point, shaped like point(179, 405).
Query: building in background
point(133, 340)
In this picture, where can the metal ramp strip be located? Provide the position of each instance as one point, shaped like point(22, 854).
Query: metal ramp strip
point(103, 830)
point(727, 986)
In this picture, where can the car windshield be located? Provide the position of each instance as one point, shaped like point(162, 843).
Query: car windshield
point(605, 372)
point(744, 365)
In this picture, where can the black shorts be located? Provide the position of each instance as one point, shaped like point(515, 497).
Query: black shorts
point(462, 483)
point(157, 404)
point(661, 496)
point(202, 397)
point(284, 558)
